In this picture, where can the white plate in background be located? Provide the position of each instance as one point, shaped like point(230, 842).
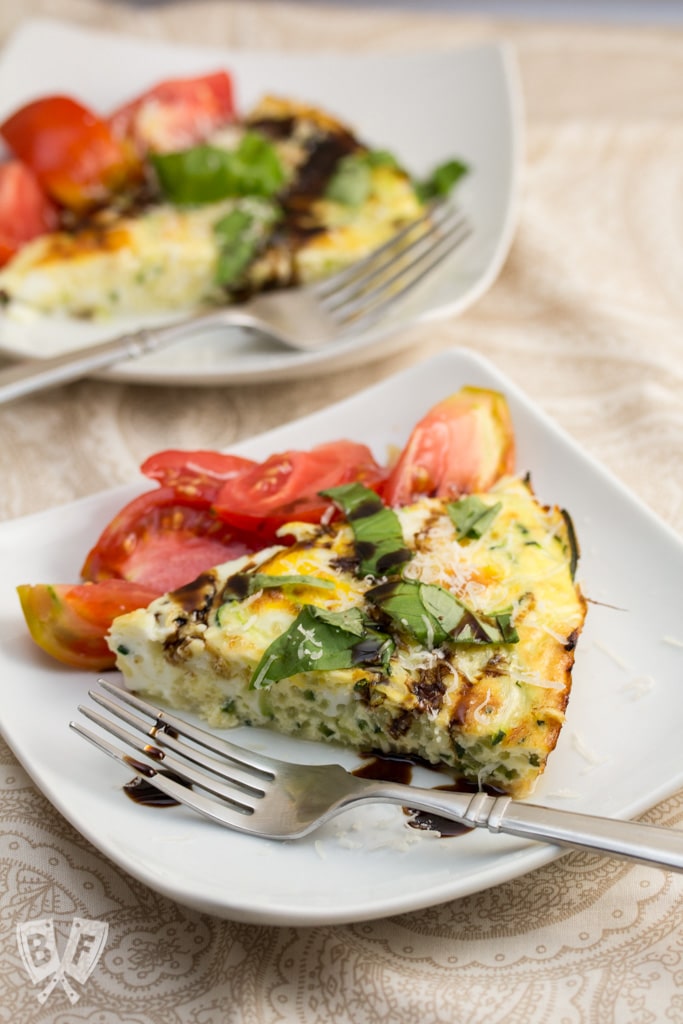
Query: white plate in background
point(425, 107)
point(618, 753)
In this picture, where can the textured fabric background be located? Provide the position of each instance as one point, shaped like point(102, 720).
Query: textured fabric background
point(587, 318)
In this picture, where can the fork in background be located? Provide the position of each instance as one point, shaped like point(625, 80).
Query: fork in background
point(308, 318)
point(265, 797)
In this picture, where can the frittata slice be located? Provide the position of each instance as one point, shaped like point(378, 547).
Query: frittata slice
point(337, 201)
point(164, 258)
point(445, 633)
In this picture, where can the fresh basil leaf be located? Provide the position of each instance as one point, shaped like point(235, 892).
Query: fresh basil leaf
point(237, 246)
point(349, 619)
point(207, 174)
point(401, 600)
point(351, 184)
point(471, 516)
point(572, 541)
point(441, 181)
point(257, 166)
point(192, 176)
point(503, 620)
point(376, 529)
point(432, 615)
point(262, 580)
point(240, 235)
point(321, 641)
point(244, 584)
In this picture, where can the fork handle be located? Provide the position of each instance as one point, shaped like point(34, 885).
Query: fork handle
point(648, 844)
point(38, 374)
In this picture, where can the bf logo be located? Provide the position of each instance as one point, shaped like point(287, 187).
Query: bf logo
point(38, 948)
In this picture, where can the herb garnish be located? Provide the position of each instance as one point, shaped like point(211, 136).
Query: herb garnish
point(433, 616)
point(240, 234)
point(207, 174)
point(351, 184)
point(320, 640)
point(244, 584)
point(377, 530)
point(441, 181)
point(471, 516)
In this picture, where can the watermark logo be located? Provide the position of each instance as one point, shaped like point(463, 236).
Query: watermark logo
point(38, 947)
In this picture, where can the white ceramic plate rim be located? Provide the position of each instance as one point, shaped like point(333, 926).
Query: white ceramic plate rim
point(360, 866)
point(489, 195)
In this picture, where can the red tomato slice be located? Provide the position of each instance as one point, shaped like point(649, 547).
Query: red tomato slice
point(196, 476)
point(161, 542)
point(25, 210)
point(72, 152)
point(464, 444)
point(70, 622)
point(176, 114)
point(285, 488)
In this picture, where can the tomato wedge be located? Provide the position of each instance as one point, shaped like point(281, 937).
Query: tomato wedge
point(162, 542)
point(25, 210)
point(70, 622)
point(176, 114)
point(285, 488)
point(196, 476)
point(72, 152)
point(464, 444)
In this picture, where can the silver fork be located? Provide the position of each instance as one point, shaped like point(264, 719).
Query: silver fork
point(265, 797)
point(349, 302)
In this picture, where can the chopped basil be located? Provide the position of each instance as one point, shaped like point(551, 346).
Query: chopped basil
point(351, 184)
point(207, 174)
point(322, 641)
point(433, 616)
point(573, 542)
point(236, 245)
point(503, 620)
point(441, 181)
point(262, 580)
point(376, 529)
point(244, 584)
point(471, 516)
point(239, 235)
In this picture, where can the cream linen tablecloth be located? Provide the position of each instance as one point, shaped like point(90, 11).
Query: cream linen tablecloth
point(586, 317)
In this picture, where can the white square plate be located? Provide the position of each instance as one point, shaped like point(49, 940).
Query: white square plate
point(425, 107)
point(619, 751)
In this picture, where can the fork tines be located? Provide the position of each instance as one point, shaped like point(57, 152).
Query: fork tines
point(177, 757)
point(365, 291)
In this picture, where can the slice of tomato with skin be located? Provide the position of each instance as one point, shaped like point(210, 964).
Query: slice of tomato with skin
point(162, 542)
point(25, 209)
point(285, 488)
point(71, 150)
point(196, 476)
point(176, 114)
point(463, 445)
point(70, 621)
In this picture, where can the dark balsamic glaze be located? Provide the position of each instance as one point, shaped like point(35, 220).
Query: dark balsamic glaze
point(368, 650)
point(431, 822)
point(400, 769)
point(386, 769)
point(146, 793)
point(143, 792)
